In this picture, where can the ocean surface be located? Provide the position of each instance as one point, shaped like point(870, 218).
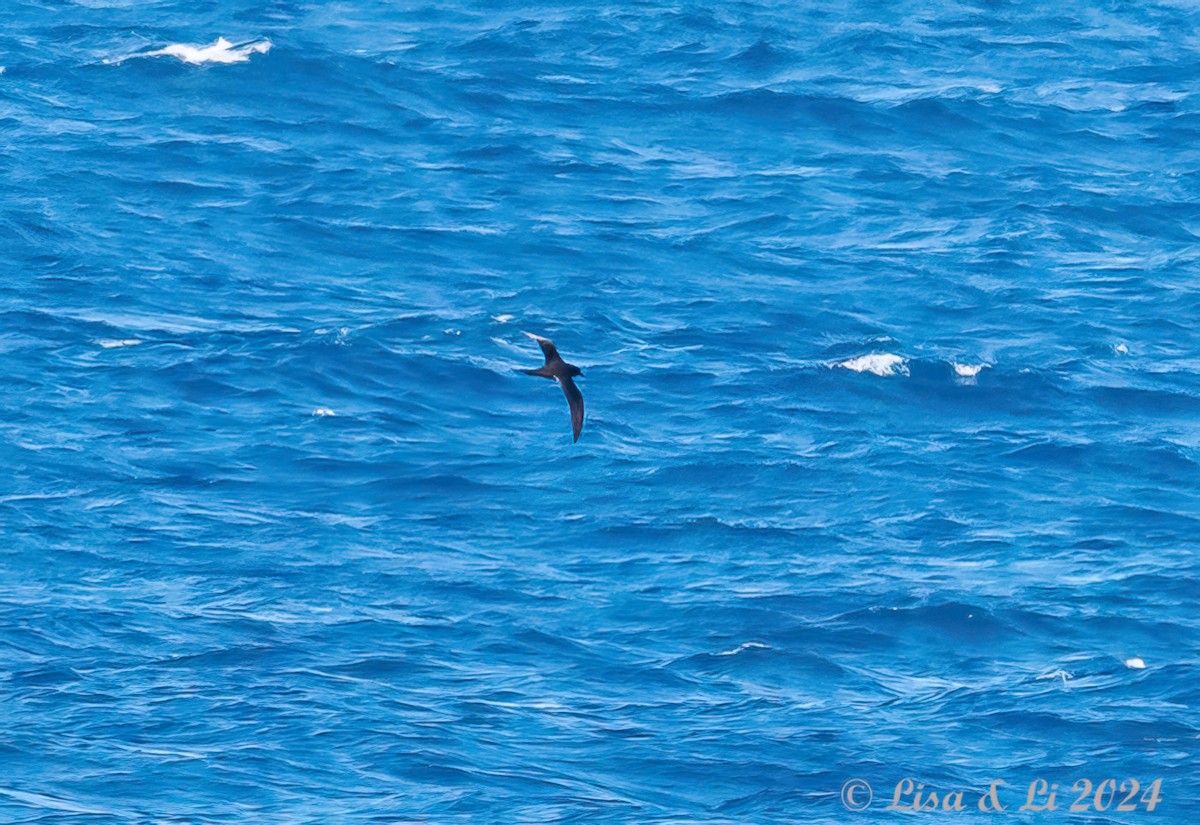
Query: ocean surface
point(887, 315)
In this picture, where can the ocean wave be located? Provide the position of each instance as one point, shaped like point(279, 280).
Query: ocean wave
point(743, 647)
point(219, 51)
point(883, 364)
point(967, 370)
point(321, 476)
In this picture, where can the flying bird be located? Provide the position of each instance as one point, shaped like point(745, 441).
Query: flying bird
point(562, 372)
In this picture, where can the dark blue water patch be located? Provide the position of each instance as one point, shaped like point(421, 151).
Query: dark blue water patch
point(762, 56)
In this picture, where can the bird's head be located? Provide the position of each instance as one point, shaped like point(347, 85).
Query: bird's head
point(575, 370)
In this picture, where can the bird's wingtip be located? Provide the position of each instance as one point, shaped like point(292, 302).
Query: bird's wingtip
point(533, 336)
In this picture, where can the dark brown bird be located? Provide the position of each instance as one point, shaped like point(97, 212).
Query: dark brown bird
point(562, 372)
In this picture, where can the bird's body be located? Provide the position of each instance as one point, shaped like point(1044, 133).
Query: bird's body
point(559, 370)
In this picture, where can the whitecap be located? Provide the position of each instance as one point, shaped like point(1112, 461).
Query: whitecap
point(221, 51)
point(1057, 674)
point(967, 370)
point(562, 78)
point(1121, 349)
point(884, 364)
point(502, 319)
point(113, 343)
point(1135, 664)
point(745, 646)
point(323, 411)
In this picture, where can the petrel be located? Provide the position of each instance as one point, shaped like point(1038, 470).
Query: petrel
point(562, 372)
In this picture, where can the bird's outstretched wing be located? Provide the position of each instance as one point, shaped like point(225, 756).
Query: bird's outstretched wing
point(575, 399)
point(548, 348)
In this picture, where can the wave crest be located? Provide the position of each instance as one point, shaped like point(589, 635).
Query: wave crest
point(220, 51)
point(880, 363)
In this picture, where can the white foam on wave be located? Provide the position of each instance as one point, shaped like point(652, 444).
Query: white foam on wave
point(323, 412)
point(1057, 674)
point(967, 370)
point(113, 343)
point(1135, 664)
point(879, 363)
point(1088, 95)
point(747, 646)
point(221, 51)
point(563, 78)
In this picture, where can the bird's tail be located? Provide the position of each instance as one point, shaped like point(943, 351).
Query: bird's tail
point(540, 372)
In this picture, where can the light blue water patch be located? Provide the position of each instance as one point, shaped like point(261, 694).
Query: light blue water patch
point(886, 317)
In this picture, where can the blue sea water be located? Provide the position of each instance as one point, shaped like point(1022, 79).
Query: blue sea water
point(887, 319)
